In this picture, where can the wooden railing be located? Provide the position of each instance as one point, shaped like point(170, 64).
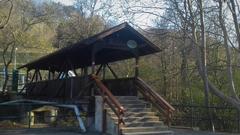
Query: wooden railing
point(160, 103)
point(111, 101)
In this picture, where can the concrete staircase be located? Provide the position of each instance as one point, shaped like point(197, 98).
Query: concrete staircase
point(139, 118)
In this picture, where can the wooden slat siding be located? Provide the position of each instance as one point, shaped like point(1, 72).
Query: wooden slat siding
point(59, 88)
point(121, 86)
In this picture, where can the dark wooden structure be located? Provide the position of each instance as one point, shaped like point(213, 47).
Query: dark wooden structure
point(118, 43)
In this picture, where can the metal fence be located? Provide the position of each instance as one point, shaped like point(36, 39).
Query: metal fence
point(28, 115)
point(220, 118)
point(21, 80)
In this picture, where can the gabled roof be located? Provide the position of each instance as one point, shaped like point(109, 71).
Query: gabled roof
point(109, 45)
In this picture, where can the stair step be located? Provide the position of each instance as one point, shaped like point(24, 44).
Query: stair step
point(143, 129)
point(138, 119)
point(127, 97)
point(151, 133)
point(143, 124)
point(139, 109)
point(135, 101)
point(135, 114)
point(133, 110)
point(131, 106)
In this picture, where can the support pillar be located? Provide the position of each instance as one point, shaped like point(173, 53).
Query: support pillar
point(99, 113)
point(27, 76)
point(93, 62)
point(137, 67)
point(49, 75)
point(30, 119)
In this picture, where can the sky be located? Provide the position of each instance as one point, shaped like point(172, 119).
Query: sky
point(143, 20)
point(65, 2)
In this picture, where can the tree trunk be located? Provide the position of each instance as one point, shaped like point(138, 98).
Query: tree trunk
point(228, 54)
point(7, 63)
point(204, 63)
point(235, 20)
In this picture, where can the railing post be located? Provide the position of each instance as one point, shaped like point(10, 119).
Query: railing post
point(169, 118)
point(238, 113)
point(29, 119)
point(118, 126)
point(104, 120)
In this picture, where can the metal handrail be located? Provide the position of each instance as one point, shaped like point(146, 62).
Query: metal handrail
point(160, 103)
point(108, 97)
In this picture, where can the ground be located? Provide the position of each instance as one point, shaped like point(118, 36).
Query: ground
point(190, 132)
point(68, 132)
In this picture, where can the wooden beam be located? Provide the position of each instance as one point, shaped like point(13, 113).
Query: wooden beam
point(40, 75)
point(114, 74)
point(59, 75)
point(34, 75)
point(99, 69)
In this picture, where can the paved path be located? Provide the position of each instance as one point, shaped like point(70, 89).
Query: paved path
point(42, 132)
point(70, 132)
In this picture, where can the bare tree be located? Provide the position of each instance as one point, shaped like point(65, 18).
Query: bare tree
point(232, 7)
point(5, 20)
point(8, 46)
point(228, 52)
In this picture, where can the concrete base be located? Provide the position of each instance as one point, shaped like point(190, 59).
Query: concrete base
point(98, 113)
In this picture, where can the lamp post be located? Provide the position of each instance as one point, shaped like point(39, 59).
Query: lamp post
point(15, 58)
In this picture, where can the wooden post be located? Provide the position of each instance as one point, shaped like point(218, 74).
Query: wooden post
point(27, 76)
point(49, 74)
point(136, 67)
point(104, 71)
point(85, 71)
point(93, 62)
point(36, 77)
point(104, 120)
point(238, 113)
point(53, 75)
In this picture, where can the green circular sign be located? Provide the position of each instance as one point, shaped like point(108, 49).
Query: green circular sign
point(131, 44)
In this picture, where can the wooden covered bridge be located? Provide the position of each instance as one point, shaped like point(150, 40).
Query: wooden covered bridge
point(76, 75)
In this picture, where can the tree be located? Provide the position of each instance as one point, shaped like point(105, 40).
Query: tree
point(82, 20)
point(8, 44)
point(21, 32)
point(4, 19)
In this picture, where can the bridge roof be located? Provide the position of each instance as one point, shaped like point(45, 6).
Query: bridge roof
point(117, 43)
